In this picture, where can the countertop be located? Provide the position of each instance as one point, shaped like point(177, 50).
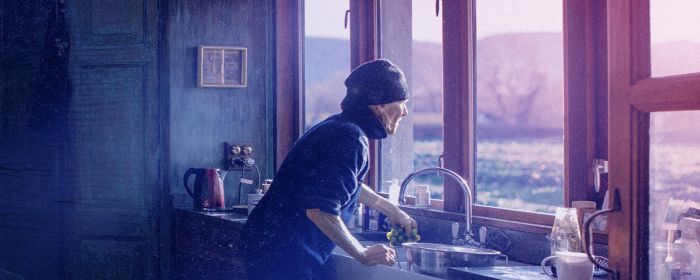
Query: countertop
point(527, 272)
point(514, 270)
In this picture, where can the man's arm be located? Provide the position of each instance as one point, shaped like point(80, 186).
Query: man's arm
point(369, 198)
point(334, 228)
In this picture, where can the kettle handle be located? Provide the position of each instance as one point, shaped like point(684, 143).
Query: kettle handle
point(187, 175)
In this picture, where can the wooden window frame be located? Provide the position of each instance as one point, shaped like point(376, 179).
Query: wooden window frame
point(634, 95)
point(585, 97)
point(585, 107)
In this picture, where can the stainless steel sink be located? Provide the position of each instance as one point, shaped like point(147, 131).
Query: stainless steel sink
point(434, 259)
point(347, 268)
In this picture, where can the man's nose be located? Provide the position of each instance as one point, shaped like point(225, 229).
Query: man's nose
point(404, 111)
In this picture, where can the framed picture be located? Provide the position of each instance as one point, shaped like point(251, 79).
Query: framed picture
point(222, 67)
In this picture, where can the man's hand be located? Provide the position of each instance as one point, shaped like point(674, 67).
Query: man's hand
point(377, 254)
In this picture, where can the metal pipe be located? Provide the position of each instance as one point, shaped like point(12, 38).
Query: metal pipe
point(462, 183)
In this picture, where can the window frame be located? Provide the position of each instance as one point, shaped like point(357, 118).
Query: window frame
point(585, 90)
point(634, 95)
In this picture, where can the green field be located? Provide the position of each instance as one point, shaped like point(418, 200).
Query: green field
point(525, 175)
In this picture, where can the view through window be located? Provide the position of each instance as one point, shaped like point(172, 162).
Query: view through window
point(326, 58)
point(674, 186)
point(416, 46)
point(519, 104)
point(675, 38)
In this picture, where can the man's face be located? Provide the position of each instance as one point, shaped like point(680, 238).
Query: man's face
point(391, 114)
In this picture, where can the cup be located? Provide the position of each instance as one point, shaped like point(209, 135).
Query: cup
point(570, 266)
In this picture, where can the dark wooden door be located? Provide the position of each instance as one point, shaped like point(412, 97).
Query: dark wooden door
point(112, 223)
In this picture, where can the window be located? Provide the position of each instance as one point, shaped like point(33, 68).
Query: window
point(675, 45)
point(326, 58)
point(501, 120)
point(653, 147)
point(457, 79)
point(519, 104)
point(416, 46)
point(674, 178)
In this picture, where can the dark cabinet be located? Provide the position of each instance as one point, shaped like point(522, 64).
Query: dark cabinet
point(205, 246)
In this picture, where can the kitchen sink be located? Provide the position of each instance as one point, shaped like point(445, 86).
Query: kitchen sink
point(348, 268)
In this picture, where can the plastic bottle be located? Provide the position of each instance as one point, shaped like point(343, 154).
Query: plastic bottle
point(423, 196)
point(689, 242)
point(253, 199)
point(394, 190)
point(266, 185)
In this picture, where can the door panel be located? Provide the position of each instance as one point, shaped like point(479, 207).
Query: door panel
point(108, 110)
point(113, 121)
point(109, 259)
point(111, 23)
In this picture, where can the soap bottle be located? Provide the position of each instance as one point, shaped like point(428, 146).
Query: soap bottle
point(394, 190)
point(423, 196)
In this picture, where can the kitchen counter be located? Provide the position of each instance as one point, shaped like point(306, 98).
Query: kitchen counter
point(213, 235)
point(233, 219)
point(527, 272)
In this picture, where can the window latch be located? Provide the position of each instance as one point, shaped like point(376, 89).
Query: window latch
point(347, 13)
point(600, 166)
point(437, 8)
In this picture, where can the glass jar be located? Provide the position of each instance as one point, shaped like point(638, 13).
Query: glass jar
point(423, 196)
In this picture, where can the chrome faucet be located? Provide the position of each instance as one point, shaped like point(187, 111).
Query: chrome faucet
point(462, 183)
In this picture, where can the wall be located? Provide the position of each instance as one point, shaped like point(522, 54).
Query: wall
point(39, 179)
point(202, 119)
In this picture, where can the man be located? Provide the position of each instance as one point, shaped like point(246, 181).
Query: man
point(298, 222)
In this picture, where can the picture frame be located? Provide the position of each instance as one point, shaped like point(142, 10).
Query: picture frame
point(222, 67)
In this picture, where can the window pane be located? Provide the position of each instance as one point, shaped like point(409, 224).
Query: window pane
point(326, 41)
point(675, 37)
point(674, 183)
point(416, 46)
point(519, 104)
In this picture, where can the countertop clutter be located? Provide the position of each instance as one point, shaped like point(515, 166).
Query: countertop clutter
point(206, 248)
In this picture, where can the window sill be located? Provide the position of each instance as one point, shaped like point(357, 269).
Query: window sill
point(498, 220)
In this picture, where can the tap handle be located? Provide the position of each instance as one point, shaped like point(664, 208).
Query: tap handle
point(482, 235)
point(455, 230)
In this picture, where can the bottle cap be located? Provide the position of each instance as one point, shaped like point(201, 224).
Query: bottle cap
point(583, 204)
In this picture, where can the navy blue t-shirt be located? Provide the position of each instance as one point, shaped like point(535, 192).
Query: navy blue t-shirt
point(323, 170)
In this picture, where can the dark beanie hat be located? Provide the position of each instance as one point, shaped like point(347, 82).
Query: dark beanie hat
point(375, 82)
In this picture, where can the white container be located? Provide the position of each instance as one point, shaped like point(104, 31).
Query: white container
point(423, 196)
point(689, 242)
point(253, 199)
point(265, 186)
point(394, 189)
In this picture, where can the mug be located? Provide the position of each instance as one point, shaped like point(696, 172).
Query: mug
point(570, 266)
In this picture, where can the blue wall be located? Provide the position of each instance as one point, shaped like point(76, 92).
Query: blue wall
point(202, 119)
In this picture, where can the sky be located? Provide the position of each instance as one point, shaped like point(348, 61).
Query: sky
point(669, 18)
